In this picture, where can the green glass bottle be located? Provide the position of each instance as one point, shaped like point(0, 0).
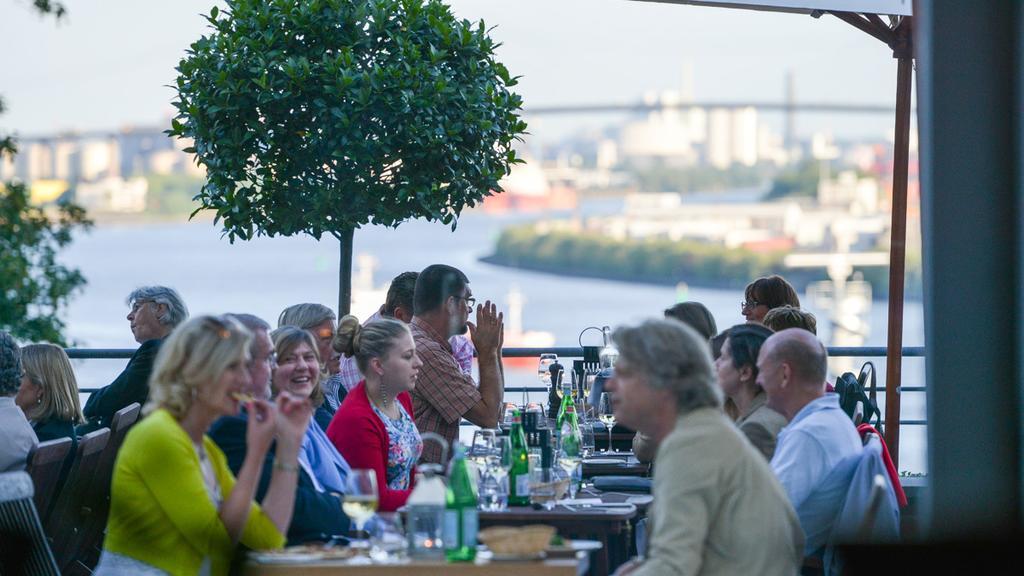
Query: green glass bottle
point(567, 403)
point(461, 519)
point(519, 473)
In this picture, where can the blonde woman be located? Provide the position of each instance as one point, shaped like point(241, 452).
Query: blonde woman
point(49, 392)
point(176, 508)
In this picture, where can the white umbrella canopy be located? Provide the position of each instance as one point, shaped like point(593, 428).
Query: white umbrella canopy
point(881, 7)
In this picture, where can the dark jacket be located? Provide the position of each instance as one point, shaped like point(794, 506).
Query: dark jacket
point(317, 515)
point(323, 416)
point(52, 430)
point(132, 385)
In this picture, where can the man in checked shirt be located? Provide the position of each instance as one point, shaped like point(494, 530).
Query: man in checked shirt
point(444, 394)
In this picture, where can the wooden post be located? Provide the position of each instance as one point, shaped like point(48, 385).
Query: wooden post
point(903, 52)
point(345, 273)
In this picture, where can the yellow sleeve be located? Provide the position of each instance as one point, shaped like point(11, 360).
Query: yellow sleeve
point(259, 532)
point(169, 468)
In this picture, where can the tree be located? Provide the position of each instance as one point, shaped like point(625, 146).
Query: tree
point(35, 288)
point(328, 115)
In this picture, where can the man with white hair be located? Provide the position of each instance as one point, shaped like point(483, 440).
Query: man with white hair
point(817, 451)
point(154, 312)
point(718, 509)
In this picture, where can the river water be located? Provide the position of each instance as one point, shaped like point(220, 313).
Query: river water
point(265, 275)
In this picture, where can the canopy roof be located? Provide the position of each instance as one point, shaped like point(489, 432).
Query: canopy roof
point(883, 7)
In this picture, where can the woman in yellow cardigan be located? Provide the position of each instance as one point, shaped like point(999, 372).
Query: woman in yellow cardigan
point(175, 506)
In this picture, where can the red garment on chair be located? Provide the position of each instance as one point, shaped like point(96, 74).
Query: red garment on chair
point(894, 477)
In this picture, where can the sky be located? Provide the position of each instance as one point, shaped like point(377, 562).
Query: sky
point(109, 63)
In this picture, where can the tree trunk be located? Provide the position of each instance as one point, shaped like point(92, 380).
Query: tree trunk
point(345, 274)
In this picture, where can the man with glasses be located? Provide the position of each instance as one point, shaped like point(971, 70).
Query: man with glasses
point(154, 311)
point(317, 516)
point(444, 394)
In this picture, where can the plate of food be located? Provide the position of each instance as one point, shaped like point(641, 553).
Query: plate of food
point(303, 554)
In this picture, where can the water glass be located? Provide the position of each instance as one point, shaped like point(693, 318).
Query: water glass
point(493, 492)
point(387, 538)
point(586, 438)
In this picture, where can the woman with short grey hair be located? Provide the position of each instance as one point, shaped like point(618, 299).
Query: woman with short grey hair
point(319, 321)
point(720, 509)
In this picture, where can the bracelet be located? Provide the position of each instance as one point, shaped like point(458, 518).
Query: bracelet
point(278, 465)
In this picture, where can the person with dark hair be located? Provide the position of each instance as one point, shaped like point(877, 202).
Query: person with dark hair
point(778, 319)
point(811, 457)
point(719, 509)
point(318, 515)
point(737, 375)
point(398, 304)
point(17, 434)
point(445, 394)
point(766, 293)
point(696, 316)
point(155, 312)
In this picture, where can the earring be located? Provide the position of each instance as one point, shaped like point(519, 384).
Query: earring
point(384, 394)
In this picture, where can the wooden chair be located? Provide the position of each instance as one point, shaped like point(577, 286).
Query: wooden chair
point(99, 490)
point(23, 547)
point(72, 510)
point(45, 464)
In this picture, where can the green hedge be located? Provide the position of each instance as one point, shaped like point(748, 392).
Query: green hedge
point(659, 261)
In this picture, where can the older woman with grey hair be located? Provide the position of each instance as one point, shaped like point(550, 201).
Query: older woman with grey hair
point(319, 320)
point(17, 434)
point(720, 510)
point(154, 311)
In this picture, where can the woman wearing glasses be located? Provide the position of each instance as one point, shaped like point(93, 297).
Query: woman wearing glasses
point(175, 506)
point(766, 293)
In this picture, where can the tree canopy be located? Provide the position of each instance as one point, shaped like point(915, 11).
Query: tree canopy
point(327, 115)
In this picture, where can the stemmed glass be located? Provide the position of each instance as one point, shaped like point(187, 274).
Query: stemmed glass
point(543, 367)
point(569, 458)
point(497, 462)
point(360, 496)
point(607, 416)
point(483, 447)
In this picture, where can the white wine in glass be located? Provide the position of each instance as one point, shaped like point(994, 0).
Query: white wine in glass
point(606, 415)
point(361, 496)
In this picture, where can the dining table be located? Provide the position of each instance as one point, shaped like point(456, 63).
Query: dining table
point(609, 521)
point(614, 464)
point(576, 565)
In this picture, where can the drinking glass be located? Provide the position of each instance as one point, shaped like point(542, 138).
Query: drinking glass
point(606, 415)
point(586, 438)
point(360, 496)
point(387, 538)
point(542, 487)
point(569, 459)
point(484, 447)
point(543, 367)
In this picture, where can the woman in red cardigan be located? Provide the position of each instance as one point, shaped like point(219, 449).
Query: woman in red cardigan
point(374, 427)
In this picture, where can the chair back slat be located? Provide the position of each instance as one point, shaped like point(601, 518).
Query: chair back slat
point(23, 548)
point(72, 509)
point(99, 489)
point(45, 463)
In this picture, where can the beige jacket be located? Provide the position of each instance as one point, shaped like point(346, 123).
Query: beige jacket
point(718, 509)
point(761, 425)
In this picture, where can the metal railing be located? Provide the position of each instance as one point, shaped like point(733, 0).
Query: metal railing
point(564, 352)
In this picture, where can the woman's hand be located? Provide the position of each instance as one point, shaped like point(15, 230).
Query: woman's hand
point(292, 420)
point(261, 427)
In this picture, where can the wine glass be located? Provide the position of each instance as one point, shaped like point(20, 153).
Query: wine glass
point(606, 415)
point(569, 457)
point(483, 447)
point(360, 496)
point(543, 367)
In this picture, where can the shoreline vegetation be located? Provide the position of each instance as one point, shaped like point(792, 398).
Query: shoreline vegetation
point(665, 262)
